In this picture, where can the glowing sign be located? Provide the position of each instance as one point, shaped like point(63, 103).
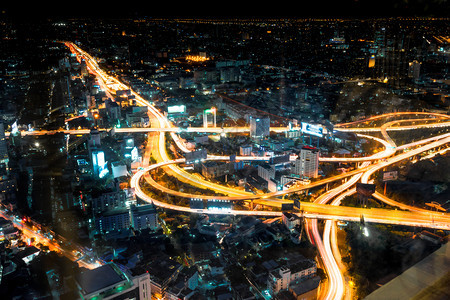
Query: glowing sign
point(312, 129)
point(176, 109)
point(134, 154)
point(14, 128)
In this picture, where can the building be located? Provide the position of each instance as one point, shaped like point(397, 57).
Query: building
point(282, 278)
point(99, 165)
point(94, 138)
point(104, 201)
point(119, 169)
point(195, 156)
point(108, 282)
point(307, 163)
point(266, 171)
point(279, 279)
point(207, 121)
point(259, 127)
point(114, 220)
point(4, 158)
point(28, 254)
point(291, 220)
point(144, 216)
point(306, 289)
point(3, 144)
point(212, 169)
point(185, 284)
point(163, 272)
point(414, 70)
point(245, 150)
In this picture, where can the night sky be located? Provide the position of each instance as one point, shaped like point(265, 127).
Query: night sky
point(317, 8)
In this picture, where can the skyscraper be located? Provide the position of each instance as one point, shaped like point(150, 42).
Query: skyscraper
point(99, 164)
point(4, 159)
point(414, 70)
point(3, 145)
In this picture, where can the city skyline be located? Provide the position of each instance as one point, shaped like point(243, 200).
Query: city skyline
point(223, 157)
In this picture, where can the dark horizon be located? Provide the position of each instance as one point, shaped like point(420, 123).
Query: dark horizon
point(358, 9)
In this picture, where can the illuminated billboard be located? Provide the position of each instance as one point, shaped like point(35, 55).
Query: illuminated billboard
point(312, 129)
point(176, 109)
point(99, 164)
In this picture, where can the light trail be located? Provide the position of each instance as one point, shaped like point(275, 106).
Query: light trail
point(312, 210)
point(53, 245)
point(394, 114)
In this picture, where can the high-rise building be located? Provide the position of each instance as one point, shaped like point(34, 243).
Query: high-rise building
point(259, 127)
point(414, 70)
point(99, 165)
point(3, 144)
point(307, 163)
point(4, 158)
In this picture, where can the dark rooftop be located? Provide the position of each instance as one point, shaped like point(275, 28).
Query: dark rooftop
point(99, 278)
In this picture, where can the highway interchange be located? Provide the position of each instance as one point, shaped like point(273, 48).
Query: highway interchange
point(324, 207)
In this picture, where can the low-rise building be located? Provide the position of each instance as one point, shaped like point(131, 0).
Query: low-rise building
point(113, 220)
point(104, 201)
point(291, 220)
point(144, 216)
point(214, 169)
point(245, 150)
point(280, 279)
point(109, 282)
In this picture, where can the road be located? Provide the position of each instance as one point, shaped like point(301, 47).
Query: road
point(56, 245)
point(312, 211)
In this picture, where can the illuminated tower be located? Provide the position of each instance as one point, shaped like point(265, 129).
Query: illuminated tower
point(206, 122)
point(99, 165)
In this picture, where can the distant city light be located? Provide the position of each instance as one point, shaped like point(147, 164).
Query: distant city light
point(366, 231)
point(196, 58)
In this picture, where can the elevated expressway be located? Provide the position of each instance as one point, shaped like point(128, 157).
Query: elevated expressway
point(312, 211)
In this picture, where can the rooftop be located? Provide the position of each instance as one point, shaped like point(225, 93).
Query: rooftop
point(100, 278)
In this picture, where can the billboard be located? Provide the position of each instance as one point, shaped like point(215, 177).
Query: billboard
point(14, 128)
point(312, 129)
point(391, 175)
point(195, 203)
point(219, 205)
point(365, 189)
point(176, 109)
